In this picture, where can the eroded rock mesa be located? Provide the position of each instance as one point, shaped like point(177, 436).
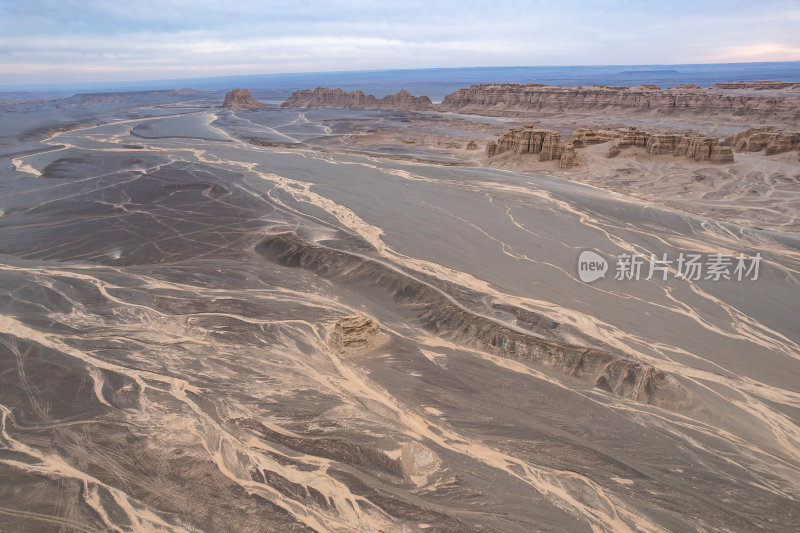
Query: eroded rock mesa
point(550, 147)
point(771, 140)
point(241, 99)
point(504, 98)
point(532, 140)
point(336, 98)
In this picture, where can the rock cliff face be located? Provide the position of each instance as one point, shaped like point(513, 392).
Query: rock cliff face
point(241, 99)
point(781, 102)
point(405, 100)
point(689, 144)
point(758, 85)
point(772, 140)
point(549, 146)
point(586, 136)
point(569, 158)
point(508, 97)
point(532, 140)
point(324, 97)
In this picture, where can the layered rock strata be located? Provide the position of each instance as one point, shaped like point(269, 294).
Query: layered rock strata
point(777, 100)
point(532, 140)
point(771, 140)
point(757, 84)
point(507, 97)
point(549, 146)
point(355, 334)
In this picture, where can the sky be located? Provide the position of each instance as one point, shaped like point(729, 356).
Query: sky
point(58, 41)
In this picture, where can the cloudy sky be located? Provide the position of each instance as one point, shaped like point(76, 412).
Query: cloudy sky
point(83, 40)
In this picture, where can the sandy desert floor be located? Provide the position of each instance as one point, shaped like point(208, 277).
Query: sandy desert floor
point(756, 190)
point(169, 293)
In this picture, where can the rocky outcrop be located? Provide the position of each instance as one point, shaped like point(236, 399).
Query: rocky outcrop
point(695, 146)
point(472, 145)
point(356, 334)
point(586, 136)
point(757, 85)
point(569, 158)
point(419, 461)
point(550, 147)
point(525, 140)
point(241, 99)
point(689, 144)
point(506, 98)
point(771, 140)
point(406, 101)
point(511, 98)
point(532, 140)
point(324, 97)
point(721, 154)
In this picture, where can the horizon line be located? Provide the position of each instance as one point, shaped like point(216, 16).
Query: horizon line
point(64, 86)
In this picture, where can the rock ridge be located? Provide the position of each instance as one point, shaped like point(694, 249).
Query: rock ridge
point(780, 102)
point(502, 98)
point(325, 97)
point(771, 140)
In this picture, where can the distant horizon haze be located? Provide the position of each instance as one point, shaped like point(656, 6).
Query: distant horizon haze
point(437, 82)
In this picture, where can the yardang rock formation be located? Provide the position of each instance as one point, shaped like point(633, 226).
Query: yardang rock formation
point(241, 99)
point(324, 97)
point(549, 146)
point(775, 100)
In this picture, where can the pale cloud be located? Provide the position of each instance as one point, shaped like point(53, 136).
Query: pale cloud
point(79, 41)
point(757, 52)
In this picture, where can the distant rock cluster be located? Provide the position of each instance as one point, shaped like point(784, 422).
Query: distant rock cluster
point(241, 99)
point(507, 98)
point(759, 85)
point(504, 97)
point(324, 97)
point(689, 144)
point(774, 100)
